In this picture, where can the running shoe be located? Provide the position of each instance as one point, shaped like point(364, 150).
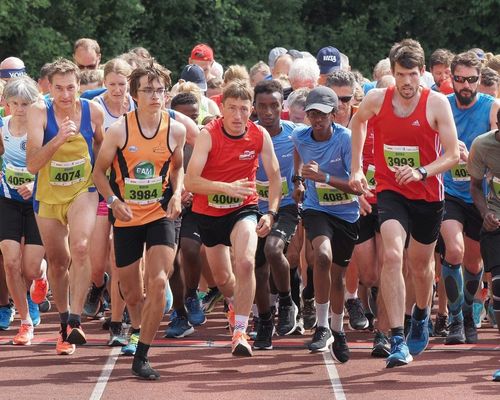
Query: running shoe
point(62, 346)
point(478, 312)
point(357, 318)
point(264, 338)
point(470, 328)
point(39, 289)
point(418, 337)
point(407, 324)
point(287, 319)
point(441, 326)
point(6, 316)
point(371, 321)
point(381, 346)
point(130, 348)
point(210, 300)
point(24, 335)
point(75, 335)
point(45, 306)
point(321, 339)
point(456, 334)
point(491, 315)
point(309, 314)
point(179, 327)
point(142, 369)
point(231, 317)
point(34, 311)
point(299, 326)
point(400, 354)
point(339, 348)
point(196, 316)
point(94, 299)
point(255, 327)
point(496, 375)
point(240, 346)
point(117, 336)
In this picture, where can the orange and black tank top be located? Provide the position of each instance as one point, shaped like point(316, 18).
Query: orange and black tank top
point(231, 158)
point(409, 141)
point(140, 171)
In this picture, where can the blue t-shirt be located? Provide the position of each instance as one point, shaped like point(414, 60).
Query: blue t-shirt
point(334, 157)
point(470, 123)
point(283, 147)
point(90, 94)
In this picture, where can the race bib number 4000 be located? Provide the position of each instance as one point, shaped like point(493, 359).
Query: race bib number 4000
point(67, 173)
point(263, 188)
point(330, 196)
point(221, 200)
point(398, 156)
point(370, 177)
point(143, 191)
point(17, 176)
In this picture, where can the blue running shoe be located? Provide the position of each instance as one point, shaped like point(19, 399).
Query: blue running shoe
point(178, 328)
point(418, 337)
point(34, 311)
point(496, 375)
point(131, 347)
point(400, 355)
point(169, 297)
point(478, 312)
point(196, 316)
point(6, 317)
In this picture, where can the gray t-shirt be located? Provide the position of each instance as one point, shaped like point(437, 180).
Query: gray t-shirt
point(484, 162)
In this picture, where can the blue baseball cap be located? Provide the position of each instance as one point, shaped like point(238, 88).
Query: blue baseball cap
point(328, 59)
point(194, 73)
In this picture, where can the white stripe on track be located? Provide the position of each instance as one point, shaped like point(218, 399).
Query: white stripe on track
point(338, 390)
point(107, 369)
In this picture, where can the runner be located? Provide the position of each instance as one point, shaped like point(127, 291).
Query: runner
point(144, 150)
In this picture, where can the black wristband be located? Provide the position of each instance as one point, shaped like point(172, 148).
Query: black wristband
point(297, 178)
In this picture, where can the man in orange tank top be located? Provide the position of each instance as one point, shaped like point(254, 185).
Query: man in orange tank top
point(410, 125)
point(221, 174)
point(144, 149)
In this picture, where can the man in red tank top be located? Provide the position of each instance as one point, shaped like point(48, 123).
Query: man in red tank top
point(410, 125)
point(221, 174)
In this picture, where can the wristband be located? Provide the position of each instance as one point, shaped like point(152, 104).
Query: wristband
point(297, 178)
point(327, 178)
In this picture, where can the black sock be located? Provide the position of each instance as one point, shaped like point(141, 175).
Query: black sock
point(63, 317)
point(285, 299)
point(419, 314)
point(213, 288)
point(135, 330)
point(308, 292)
point(295, 285)
point(181, 312)
point(142, 351)
point(191, 293)
point(265, 316)
point(74, 320)
point(398, 331)
point(115, 326)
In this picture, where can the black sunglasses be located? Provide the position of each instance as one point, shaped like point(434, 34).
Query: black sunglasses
point(462, 79)
point(345, 99)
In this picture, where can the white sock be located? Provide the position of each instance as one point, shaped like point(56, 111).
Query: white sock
point(322, 313)
point(27, 321)
point(337, 323)
point(241, 323)
point(349, 295)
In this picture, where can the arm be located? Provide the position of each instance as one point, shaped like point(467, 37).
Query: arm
point(298, 185)
point(493, 114)
point(490, 221)
point(176, 175)
point(311, 171)
point(195, 183)
point(192, 130)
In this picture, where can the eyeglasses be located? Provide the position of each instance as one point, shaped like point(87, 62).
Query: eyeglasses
point(149, 92)
point(345, 99)
point(91, 66)
point(462, 79)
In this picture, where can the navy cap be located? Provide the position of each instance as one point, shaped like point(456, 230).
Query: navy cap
point(328, 59)
point(194, 73)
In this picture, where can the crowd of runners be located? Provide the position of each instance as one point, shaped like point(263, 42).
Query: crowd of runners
point(294, 194)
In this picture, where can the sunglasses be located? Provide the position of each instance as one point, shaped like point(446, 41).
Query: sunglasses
point(462, 79)
point(90, 66)
point(345, 99)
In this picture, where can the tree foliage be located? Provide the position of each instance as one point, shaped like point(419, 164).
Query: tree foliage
point(243, 31)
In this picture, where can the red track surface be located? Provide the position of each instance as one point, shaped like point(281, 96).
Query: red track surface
point(201, 367)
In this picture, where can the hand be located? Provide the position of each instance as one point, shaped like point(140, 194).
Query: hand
point(66, 129)
point(365, 208)
point(298, 192)
point(491, 222)
point(174, 207)
point(241, 188)
point(121, 211)
point(26, 190)
point(407, 174)
point(186, 198)
point(464, 153)
point(311, 171)
point(264, 226)
point(359, 184)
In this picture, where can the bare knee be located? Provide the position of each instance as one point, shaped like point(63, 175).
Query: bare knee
point(80, 250)
point(323, 261)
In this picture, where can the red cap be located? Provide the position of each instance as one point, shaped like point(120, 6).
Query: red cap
point(202, 52)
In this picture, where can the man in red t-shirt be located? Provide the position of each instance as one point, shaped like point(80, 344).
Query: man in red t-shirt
point(221, 174)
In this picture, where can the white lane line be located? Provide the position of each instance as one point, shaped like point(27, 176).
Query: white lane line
point(338, 390)
point(105, 374)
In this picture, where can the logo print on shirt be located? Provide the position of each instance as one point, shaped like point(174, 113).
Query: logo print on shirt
point(415, 123)
point(247, 155)
point(133, 149)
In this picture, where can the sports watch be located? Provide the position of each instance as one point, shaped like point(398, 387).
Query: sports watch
point(110, 200)
point(423, 172)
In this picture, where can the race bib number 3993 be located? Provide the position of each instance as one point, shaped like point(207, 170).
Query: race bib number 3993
point(399, 156)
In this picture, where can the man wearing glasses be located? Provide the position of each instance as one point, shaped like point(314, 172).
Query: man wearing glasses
point(87, 54)
point(474, 114)
point(343, 84)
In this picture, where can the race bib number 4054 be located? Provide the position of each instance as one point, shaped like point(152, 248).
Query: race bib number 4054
point(399, 156)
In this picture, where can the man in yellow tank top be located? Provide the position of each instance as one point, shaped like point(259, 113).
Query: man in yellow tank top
point(64, 133)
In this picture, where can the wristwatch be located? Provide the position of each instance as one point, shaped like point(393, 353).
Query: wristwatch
point(274, 215)
point(423, 172)
point(110, 200)
point(297, 178)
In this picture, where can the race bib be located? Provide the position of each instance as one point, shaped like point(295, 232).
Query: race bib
point(496, 186)
point(370, 177)
point(143, 191)
point(67, 173)
point(459, 172)
point(263, 188)
point(220, 200)
point(398, 156)
point(17, 176)
point(330, 196)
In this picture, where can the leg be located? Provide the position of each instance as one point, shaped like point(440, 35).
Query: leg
point(12, 256)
